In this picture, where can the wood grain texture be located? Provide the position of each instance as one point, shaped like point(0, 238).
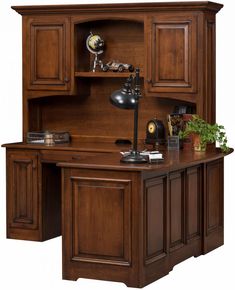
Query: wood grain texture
point(101, 208)
point(50, 181)
point(155, 219)
point(173, 45)
point(118, 8)
point(213, 206)
point(23, 220)
point(172, 221)
point(169, 48)
point(177, 210)
point(49, 50)
point(120, 222)
point(97, 225)
point(193, 202)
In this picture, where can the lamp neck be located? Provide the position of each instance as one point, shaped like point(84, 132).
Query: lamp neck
point(135, 139)
point(127, 87)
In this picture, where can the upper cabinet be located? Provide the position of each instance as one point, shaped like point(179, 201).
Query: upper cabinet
point(172, 63)
point(172, 43)
point(47, 58)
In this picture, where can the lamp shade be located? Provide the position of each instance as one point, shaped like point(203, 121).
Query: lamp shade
point(124, 98)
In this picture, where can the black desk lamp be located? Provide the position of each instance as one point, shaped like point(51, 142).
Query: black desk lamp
point(128, 98)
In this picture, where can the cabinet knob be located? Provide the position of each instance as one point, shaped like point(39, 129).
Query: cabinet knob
point(149, 81)
point(66, 80)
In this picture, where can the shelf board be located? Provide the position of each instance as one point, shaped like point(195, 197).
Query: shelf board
point(98, 74)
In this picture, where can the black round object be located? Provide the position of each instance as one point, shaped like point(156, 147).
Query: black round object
point(134, 157)
point(131, 68)
point(155, 132)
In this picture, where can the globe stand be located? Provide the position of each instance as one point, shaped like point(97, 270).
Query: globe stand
point(97, 62)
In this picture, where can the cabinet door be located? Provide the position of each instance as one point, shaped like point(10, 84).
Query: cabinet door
point(172, 54)
point(22, 191)
point(48, 54)
point(213, 206)
point(98, 218)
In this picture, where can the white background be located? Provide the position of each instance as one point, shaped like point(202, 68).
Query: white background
point(32, 265)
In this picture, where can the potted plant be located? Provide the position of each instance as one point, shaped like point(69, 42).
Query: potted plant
point(204, 133)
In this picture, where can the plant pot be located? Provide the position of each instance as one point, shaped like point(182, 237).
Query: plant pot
point(197, 144)
point(188, 143)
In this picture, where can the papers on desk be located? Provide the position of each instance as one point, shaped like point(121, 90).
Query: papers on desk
point(153, 156)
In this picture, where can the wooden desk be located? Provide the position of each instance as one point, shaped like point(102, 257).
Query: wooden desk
point(129, 223)
point(120, 222)
point(133, 223)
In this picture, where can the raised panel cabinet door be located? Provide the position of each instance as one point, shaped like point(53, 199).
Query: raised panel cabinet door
point(100, 227)
point(177, 209)
point(22, 191)
point(172, 54)
point(48, 54)
point(155, 210)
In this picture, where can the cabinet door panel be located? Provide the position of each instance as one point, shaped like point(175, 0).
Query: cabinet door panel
point(22, 195)
point(177, 209)
point(213, 206)
point(49, 54)
point(193, 202)
point(214, 196)
point(155, 208)
point(172, 58)
point(101, 220)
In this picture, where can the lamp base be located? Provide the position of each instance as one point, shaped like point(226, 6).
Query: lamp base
point(134, 157)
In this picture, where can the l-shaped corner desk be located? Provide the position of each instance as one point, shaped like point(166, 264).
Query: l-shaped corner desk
point(119, 222)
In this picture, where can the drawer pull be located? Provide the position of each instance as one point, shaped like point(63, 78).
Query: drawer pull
point(76, 157)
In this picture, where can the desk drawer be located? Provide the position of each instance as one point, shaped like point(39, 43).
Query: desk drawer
point(58, 156)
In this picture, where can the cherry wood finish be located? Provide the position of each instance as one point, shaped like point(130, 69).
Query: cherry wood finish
point(33, 197)
point(213, 206)
point(23, 194)
point(172, 43)
point(124, 7)
point(120, 222)
point(193, 202)
point(176, 213)
point(49, 51)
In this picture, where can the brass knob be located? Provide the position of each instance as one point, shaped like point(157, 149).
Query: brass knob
point(66, 80)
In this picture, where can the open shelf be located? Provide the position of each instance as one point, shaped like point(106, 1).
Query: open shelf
point(99, 74)
point(124, 43)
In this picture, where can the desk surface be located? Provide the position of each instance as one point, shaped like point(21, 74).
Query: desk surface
point(173, 160)
point(72, 146)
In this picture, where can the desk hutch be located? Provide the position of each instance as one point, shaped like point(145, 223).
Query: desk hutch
point(119, 222)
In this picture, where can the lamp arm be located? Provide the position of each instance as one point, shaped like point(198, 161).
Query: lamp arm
point(135, 139)
point(136, 111)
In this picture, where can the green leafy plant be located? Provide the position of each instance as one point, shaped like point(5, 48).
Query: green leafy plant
point(208, 133)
